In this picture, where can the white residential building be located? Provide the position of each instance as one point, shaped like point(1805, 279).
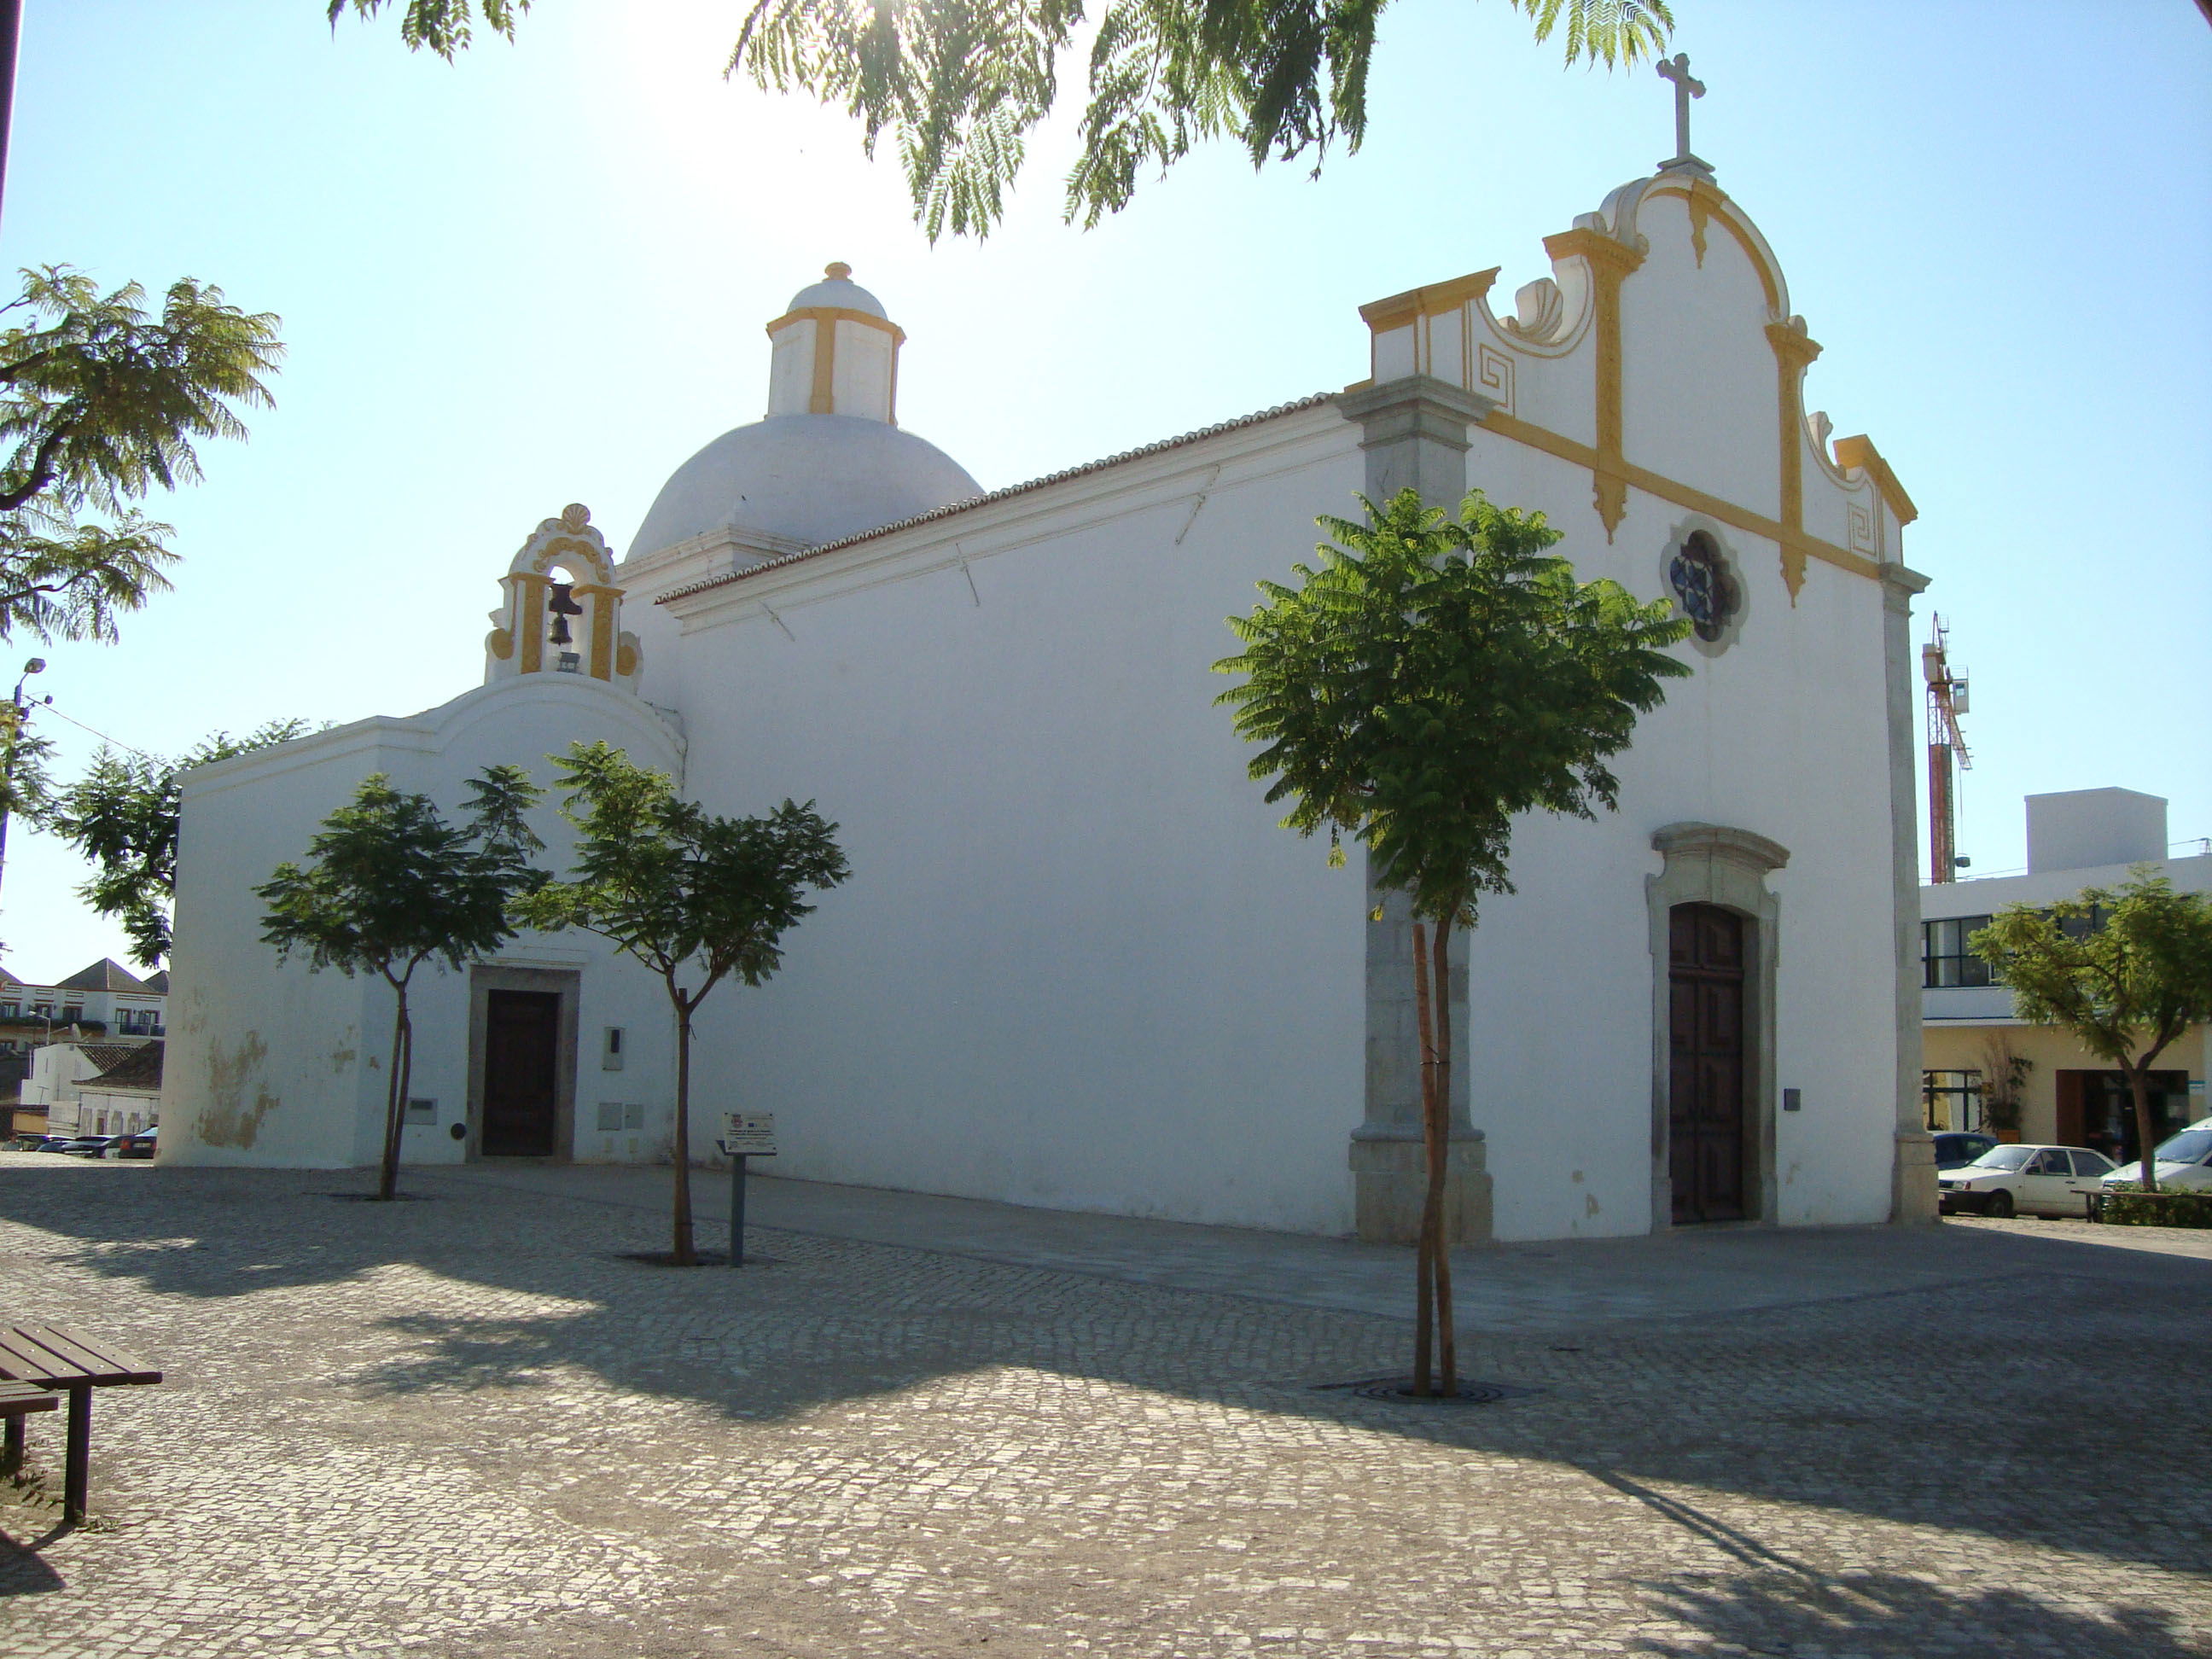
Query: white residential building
point(2081, 839)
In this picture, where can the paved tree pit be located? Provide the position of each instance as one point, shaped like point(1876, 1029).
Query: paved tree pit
point(1399, 1391)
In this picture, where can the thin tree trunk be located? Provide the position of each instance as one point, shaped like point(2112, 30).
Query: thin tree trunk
point(388, 1179)
point(2138, 1078)
point(1440, 1160)
point(684, 1255)
point(1425, 1248)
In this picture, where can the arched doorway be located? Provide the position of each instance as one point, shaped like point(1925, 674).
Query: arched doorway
point(1708, 1119)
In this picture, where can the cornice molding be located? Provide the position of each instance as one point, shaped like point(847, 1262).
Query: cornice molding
point(1742, 847)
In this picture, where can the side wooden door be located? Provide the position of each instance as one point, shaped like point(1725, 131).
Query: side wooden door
point(1708, 1134)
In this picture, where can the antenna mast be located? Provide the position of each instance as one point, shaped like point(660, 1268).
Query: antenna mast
point(1947, 701)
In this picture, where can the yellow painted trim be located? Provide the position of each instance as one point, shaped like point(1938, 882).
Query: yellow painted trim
point(605, 599)
point(1609, 263)
point(1793, 350)
point(530, 619)
point(502, 643)
point(837, 314)
point(626, 660)
point(1709, 202)
point(822, 399)
point(1666, 490)
point(1859, 455)
point(587, 553)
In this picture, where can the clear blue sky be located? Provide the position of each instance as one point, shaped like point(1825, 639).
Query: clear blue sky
point(540, 275)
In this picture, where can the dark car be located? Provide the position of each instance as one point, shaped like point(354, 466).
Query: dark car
point(55, 1143)
point(1956, 1148)
point(87, 1145)
point(140, 1145)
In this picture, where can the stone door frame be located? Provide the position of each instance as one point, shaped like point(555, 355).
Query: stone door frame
point(567, 985)
point(1713, 864)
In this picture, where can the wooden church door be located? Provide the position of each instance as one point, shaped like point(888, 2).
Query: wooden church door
point(521, 1073)
point(1707, 1133)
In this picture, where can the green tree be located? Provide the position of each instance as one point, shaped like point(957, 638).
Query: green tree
point(122, 816)
point(390, 885)
point(694, 897)
point(2126, 972)
point(962, 83)
point(1434, 679)
point(100, 402)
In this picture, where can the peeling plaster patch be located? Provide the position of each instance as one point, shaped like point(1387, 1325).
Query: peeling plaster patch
point(344, 1055)
point(227, 1121)
point(1589, 1204)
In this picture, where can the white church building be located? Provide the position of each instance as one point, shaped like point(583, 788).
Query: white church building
point(1077, 963)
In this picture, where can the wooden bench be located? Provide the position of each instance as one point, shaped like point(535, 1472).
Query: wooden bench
point(48, 1357)
point(17, 1401)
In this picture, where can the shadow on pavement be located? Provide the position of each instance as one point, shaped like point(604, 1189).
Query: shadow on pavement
point(1857, 1405)
point(1885, 1613)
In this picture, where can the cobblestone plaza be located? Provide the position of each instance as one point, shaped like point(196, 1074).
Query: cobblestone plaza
point(472, 1424)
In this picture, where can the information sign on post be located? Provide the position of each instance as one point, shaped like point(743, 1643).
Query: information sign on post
point(749, 1134)
point(745, 1135)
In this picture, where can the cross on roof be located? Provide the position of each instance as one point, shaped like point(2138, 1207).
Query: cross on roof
point(1677, 69)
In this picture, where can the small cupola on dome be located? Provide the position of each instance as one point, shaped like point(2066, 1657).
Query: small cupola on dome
point(837, 353)
point(828, 461)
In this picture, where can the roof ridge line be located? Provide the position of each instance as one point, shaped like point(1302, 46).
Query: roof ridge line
point(1293, 407)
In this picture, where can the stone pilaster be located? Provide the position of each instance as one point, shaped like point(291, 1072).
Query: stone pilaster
point(1912, 1168)
point(1415, 432)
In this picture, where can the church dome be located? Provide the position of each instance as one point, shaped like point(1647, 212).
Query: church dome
point(830, 461)
point(812, 478)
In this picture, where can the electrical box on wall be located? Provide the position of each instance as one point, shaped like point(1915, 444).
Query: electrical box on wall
point(423, 1111)
point(610, 1049)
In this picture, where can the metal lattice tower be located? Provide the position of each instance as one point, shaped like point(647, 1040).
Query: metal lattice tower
point(1947, 701)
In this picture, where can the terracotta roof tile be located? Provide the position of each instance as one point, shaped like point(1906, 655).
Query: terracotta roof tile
point(140, 1068)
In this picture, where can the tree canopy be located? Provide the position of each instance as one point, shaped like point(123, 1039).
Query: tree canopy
point(695, 898)
point(1436, 678)
point(962, 84)
point(122, 816)
point(389, 885)
point(102, 401)
point(2126, 971)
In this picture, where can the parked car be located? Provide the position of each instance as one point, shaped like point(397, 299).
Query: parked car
point(31, 1141)
point(87, 1145)
point(56, 1143)
point(1957, 1146)
point(140, 1145)
point(2183, 1162)
point(2032, 1180)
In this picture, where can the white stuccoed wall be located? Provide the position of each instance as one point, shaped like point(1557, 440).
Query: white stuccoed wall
point(1077, 963)
point(269, 1064)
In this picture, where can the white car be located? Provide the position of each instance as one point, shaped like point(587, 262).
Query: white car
point(2182, 1163)
point(2030, 1180)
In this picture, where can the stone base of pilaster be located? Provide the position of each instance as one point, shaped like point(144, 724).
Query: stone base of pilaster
point(1389, 1181)
point(1912, 1178)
